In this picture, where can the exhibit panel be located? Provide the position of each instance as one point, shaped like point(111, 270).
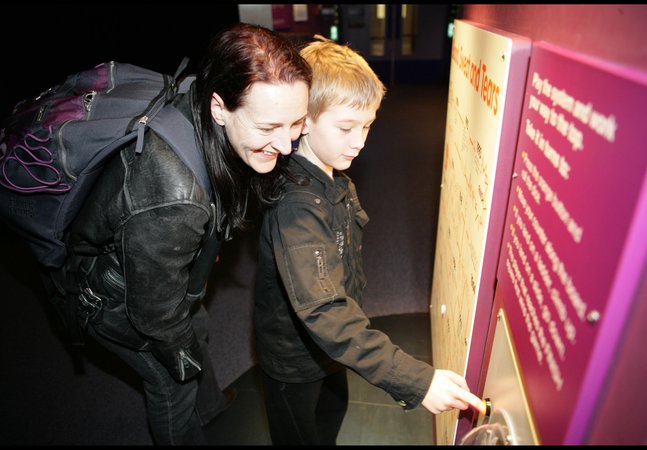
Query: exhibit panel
point(487, 78)
point(573, 250)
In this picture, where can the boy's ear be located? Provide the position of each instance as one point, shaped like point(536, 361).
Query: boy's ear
point(306, 125)
point(217, 109)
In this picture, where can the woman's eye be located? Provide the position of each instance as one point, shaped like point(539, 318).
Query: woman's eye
point(346, 130)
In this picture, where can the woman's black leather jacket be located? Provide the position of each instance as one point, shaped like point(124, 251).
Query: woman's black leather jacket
point(150, 210)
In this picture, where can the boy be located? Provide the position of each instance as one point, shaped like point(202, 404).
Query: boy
point(308, 320)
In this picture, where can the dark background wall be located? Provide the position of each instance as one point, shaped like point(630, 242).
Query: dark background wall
point(41, 44)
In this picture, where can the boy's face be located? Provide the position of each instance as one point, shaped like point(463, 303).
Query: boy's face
point(338, 135)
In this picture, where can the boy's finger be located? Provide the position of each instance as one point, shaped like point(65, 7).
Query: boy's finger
point(475, 402)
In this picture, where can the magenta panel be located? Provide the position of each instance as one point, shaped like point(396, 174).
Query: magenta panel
point(579, 168)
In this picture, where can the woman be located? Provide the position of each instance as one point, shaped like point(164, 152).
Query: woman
point(247, 104)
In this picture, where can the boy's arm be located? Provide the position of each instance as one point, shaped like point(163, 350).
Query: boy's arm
point(312, 271)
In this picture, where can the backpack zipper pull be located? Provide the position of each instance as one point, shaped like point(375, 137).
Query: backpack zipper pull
point(141, 128)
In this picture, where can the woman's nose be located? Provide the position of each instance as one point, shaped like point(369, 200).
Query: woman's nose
point(282, 142)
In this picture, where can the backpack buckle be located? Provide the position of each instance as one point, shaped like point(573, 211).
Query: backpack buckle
point(89, 306)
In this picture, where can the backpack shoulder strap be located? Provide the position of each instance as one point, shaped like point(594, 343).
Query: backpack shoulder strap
point(177, 131)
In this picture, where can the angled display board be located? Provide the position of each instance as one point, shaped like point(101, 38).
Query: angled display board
point(487, 77)
point(575, 240)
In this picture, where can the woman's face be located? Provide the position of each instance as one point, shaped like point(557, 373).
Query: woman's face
point(270, 118)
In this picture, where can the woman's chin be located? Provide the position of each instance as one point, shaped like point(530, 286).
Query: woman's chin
point(263, 166)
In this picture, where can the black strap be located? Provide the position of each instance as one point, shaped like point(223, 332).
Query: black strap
point(181, 67)
point(177, 131)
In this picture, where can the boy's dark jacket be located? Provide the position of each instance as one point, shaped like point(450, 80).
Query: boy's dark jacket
point(151, 207)
point(309, 284)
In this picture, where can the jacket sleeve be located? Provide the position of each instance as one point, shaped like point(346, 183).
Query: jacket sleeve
point(157, 247)
point(312, 271)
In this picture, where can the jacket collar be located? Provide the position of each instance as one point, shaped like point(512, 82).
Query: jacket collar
point(335, 190)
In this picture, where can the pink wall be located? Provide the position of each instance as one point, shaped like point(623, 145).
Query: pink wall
point(616, 33)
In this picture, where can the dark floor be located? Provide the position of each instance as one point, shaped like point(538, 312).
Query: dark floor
point(373, 418)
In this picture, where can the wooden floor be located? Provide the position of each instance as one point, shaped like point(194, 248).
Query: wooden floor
point(373, 417)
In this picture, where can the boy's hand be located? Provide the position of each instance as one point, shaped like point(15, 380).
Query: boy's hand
point(448, 391)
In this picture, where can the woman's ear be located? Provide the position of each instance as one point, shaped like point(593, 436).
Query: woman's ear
point(218, 109)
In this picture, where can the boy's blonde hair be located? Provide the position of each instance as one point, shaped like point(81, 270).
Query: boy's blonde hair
point(340, 76)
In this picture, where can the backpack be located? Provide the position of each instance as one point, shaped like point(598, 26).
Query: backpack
point(55, 145)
